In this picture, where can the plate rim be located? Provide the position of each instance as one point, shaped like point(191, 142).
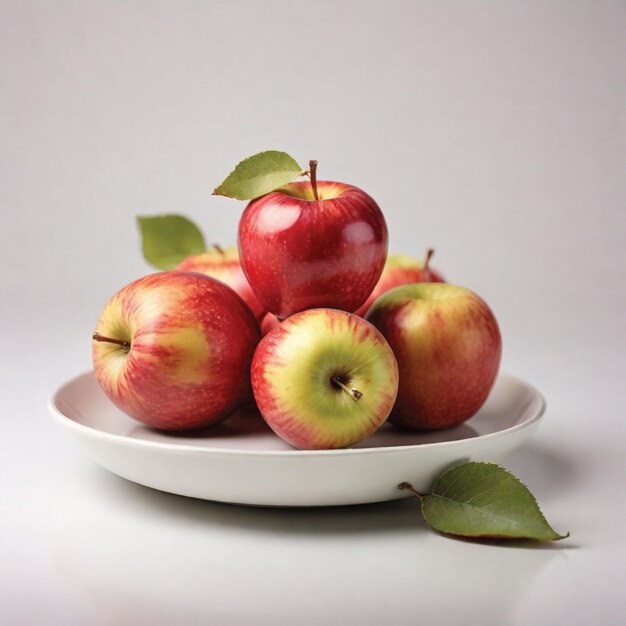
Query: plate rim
point(96, 433)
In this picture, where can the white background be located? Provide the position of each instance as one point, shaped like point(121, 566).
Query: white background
point(492, 131)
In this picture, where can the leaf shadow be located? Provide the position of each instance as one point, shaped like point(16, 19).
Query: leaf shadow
point(525, 544)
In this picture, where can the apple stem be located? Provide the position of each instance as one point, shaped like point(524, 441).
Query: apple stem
point(355, 393)
point(409, 487)
point(218, 248)
point(120, 342)
point(313, 177)
point(426, 268)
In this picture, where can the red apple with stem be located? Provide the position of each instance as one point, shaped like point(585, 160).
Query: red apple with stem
point(402, 269)
point(223, 264)
point(173, 350)
point(312, 244)
point(448, 346)
point(324, 379)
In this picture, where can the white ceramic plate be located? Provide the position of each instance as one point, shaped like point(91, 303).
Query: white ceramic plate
point(242, 461)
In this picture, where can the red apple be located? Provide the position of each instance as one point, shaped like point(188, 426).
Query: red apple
point(324, 379)
point(173, 350)
point(224, 265)
point(312, 244)
point(448, 347)
point(401, 269)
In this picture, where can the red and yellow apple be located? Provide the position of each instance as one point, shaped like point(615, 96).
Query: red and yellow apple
point(448, 346)
point(401, 269)
point(173, 350)
point(312, 244)
point(324, 379)
point(223, 264)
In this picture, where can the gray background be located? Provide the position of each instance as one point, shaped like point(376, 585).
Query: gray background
point(492, 131)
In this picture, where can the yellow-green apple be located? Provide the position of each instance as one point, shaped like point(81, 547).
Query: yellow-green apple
point(223, 264)
point(324, 378)
point(173, 350)
point(448, 346)
point(312, 244)
point(401, 269)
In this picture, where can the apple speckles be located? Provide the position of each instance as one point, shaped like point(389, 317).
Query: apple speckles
point(187, 354)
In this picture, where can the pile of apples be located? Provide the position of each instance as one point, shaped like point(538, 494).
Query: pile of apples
point(310, 319)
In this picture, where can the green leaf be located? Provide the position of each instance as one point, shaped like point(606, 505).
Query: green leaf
point(168, 239)
point(258, 175)
point(484, 500)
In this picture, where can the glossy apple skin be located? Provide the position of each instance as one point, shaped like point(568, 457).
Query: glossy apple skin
point(299, 253)
point(224, 265)
point(448, 347)
point(400, 269)
point(192, 340)
point(292, 373)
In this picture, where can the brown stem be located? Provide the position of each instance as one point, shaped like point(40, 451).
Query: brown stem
point(218, 248)
point(313, 175)
point(120, 342)
point(409, 487)
point(426, 269)
point(355, 393)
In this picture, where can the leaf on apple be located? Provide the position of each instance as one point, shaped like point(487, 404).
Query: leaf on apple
point(258, 175)
point(484, 500)
point(168, 239)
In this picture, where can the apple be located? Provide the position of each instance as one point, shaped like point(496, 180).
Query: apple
point(173, 350)
point(223, 264)
point(448, 347)
point(324, 378)
point(401, 269)
point(268, 322)
point(312, 244)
